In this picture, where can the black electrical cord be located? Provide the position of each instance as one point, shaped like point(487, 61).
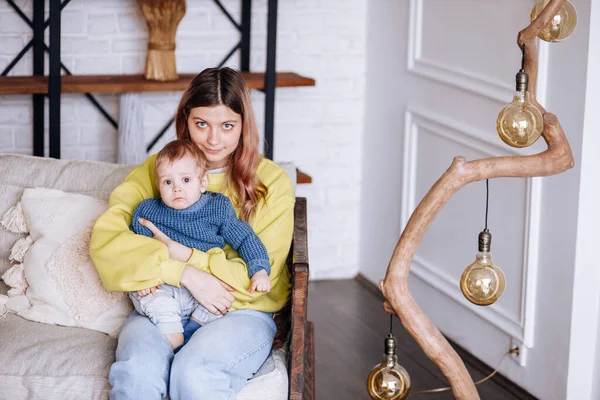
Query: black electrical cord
point(487, 200)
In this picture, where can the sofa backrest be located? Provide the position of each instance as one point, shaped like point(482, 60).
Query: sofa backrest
point(18, 172)
point(92, 178)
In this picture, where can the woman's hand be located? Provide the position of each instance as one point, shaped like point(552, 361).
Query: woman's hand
point(177, 251)
point(211, 292)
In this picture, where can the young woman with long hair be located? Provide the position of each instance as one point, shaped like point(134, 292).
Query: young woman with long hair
point(215, 113)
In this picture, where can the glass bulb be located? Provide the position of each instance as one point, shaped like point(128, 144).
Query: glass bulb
point(389, 380)
point(520, 123)
point(482, 282)
point(561, 26)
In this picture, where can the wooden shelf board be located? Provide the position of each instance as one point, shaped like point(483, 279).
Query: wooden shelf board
point(301, 177)
point(131, 83)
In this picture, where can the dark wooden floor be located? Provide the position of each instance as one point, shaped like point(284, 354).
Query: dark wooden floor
point(350, 326)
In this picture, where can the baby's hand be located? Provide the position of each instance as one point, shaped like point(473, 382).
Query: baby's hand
point(146, 292)
point(260, 281)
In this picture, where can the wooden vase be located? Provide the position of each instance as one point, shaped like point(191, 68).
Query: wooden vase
point(162, 18)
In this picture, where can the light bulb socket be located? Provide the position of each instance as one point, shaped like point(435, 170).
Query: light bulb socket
point(390, 346)
point(522, 81)
point(485, 240)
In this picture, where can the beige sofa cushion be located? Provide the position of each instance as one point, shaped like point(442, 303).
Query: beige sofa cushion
point(18, 172)
point(52, 362)
point(62, 284)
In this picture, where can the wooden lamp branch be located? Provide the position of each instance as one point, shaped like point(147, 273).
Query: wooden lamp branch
point(554, 160)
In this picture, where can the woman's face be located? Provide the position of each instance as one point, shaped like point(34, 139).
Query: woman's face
point(216, 131)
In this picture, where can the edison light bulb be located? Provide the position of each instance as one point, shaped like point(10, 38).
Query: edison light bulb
point(483, 282)
point(389, 380)
point(561, 26)
point(520, 123)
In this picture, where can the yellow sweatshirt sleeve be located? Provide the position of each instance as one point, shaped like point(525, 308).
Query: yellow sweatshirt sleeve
point(126, 261)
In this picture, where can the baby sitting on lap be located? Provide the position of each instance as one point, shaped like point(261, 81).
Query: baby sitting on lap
point(198, 219)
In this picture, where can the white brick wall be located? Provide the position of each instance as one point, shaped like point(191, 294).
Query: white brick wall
point(319, 128)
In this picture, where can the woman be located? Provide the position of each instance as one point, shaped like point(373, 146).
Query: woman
point(215, 113)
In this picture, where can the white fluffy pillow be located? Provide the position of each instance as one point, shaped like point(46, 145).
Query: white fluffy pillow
point(54, 280)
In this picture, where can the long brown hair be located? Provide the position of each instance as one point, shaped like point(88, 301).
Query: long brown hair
point(226, 86)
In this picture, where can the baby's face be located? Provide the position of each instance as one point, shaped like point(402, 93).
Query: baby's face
point(180, 183)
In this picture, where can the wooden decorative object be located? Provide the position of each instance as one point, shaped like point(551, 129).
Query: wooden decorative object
point(556, 159)
point(162, 17)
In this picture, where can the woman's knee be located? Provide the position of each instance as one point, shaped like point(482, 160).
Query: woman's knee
point(143, 360)
point(198, 377)
point(138, 334)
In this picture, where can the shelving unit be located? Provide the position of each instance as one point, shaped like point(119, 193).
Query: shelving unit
point(55, 84)
point(132, 83)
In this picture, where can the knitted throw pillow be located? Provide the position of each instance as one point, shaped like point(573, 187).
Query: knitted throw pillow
point(53, 279)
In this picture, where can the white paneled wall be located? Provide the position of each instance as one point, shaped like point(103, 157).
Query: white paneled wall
point(319, 128)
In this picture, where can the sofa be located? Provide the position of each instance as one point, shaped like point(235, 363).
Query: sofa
point(45, 361)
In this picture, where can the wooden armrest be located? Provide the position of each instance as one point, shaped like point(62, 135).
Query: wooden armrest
point(301, 360)
point(300, 238)
point(297, 262)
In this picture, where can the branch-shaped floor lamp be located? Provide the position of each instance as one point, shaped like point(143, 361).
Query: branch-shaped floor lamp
point(550, 22)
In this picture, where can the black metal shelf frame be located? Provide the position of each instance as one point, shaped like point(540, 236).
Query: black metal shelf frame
point(38, 25)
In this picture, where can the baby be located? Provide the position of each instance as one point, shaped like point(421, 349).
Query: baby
point(198, 219)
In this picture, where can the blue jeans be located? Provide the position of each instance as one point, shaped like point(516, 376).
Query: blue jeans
point(214, 364)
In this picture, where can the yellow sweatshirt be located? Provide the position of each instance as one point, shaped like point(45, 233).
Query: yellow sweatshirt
point(128, 262)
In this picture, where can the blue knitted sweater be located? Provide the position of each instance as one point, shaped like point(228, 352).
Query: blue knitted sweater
point(208, 223)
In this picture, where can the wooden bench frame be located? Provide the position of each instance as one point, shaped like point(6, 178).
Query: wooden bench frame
point(292, 322)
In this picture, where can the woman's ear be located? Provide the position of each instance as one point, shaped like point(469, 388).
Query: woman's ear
point(204, 183)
